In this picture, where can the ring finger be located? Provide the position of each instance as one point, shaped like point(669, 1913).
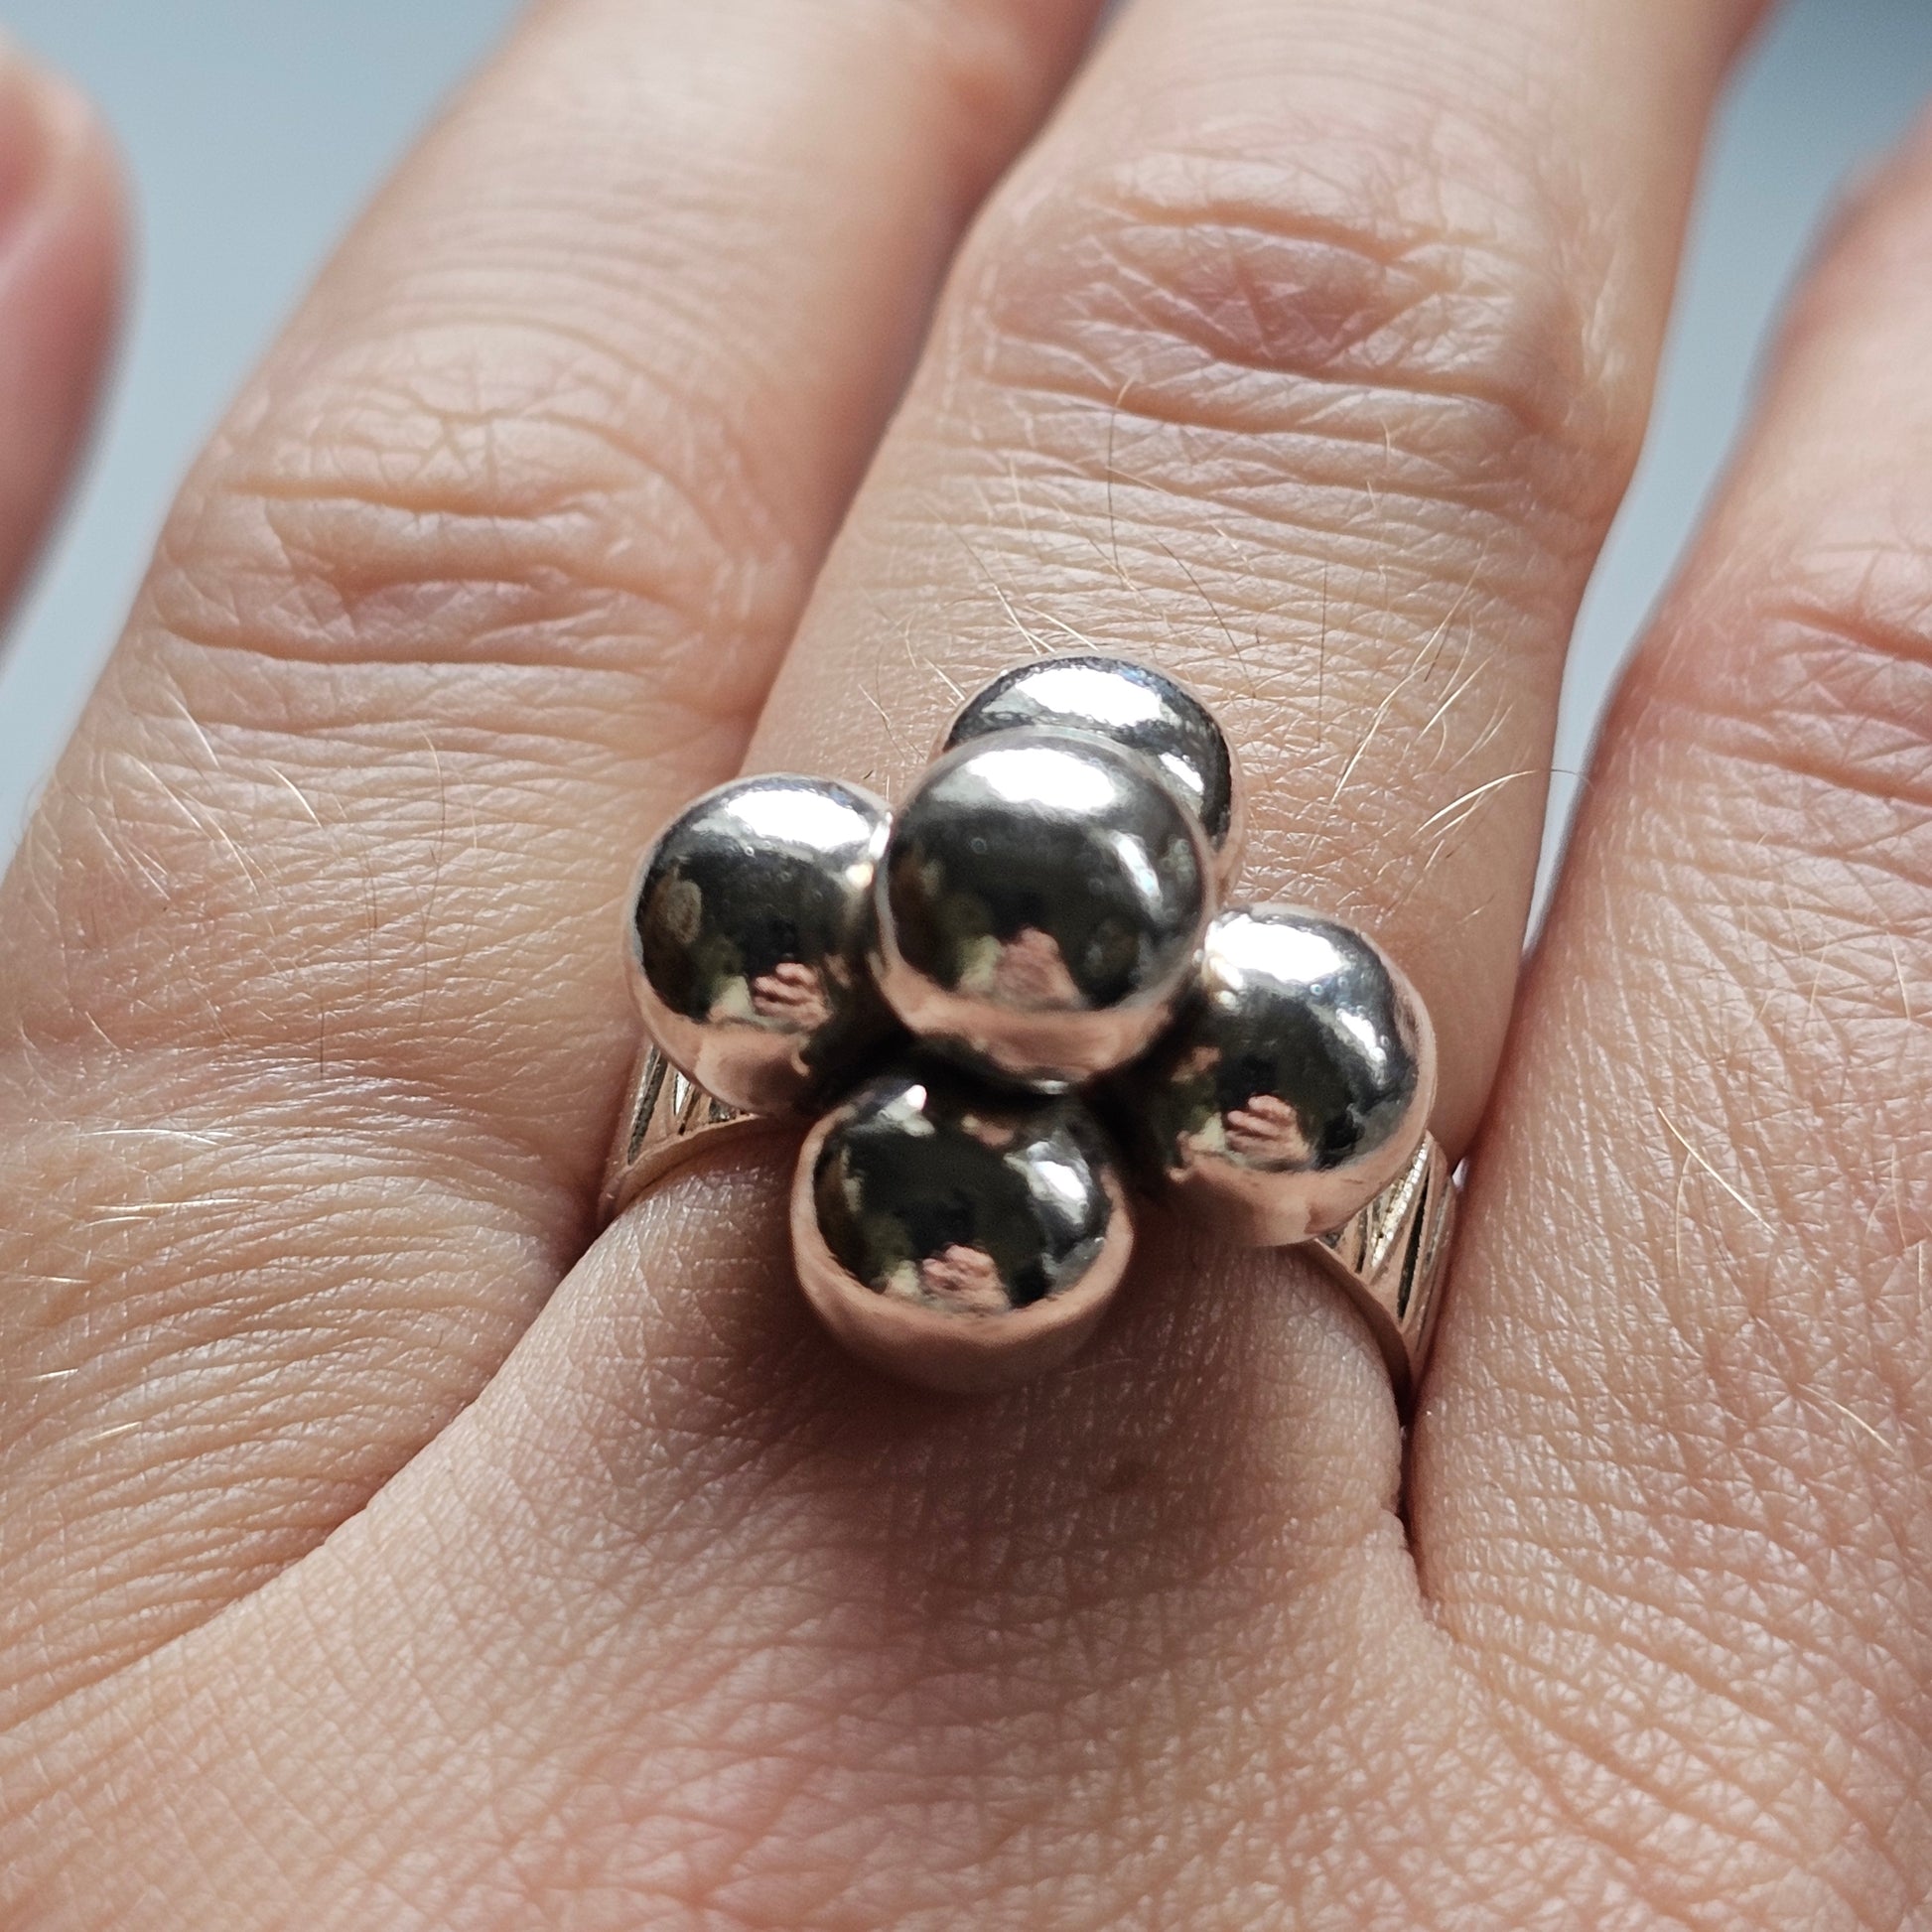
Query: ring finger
point(1307, 358)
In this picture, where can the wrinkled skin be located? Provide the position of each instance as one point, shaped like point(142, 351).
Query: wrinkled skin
point(726, 386)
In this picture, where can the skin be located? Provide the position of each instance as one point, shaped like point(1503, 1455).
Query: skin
point(717, 389)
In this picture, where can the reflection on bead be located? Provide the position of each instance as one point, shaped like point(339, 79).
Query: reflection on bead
point(1132, 705)
point(750, 933)
point(956, 1236)
point(1294, 1084)
point(1040, 905)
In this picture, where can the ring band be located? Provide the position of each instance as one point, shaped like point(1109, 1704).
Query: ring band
point(667, 1118)
point(1390, 1257)
point(1009, 998)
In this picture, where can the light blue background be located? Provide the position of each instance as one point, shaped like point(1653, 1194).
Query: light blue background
point(256, 127)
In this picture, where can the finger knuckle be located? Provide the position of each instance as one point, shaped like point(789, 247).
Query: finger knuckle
point(1816, 676)
point(1790, 701)
point(482, 491)
point(1337, 317)
point(406, 588)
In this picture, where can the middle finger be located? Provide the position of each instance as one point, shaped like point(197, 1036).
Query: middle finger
point(1307, 358)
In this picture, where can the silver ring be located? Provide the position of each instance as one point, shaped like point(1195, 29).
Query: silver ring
point(1390, 1257)
point(1010, 1006)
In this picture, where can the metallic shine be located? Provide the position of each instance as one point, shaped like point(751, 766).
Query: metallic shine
point(1295, 1086)
point(956, 1236)
point(1392, 1258)
point(668, 1120)
point(1040, 906)
point(748, 937)
point(1128, 704)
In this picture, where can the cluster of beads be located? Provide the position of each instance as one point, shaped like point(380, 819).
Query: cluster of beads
point(1006, 997)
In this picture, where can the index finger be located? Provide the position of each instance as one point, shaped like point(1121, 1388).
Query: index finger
point(310, 1024)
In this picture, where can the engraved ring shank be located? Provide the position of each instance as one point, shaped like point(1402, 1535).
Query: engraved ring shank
point(667, 1119)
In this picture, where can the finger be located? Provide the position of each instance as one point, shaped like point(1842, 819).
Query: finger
point(1329, 422)
point(697, 1623)
point(60, 248)
point(312, 1015)
point(1674, 1479)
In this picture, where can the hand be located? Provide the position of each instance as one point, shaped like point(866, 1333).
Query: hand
point(1267, 1127)
point(382, 1551)
point(791, 993)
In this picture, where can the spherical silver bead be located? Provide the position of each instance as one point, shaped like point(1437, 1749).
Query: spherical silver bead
point(1040, 905)
point(1294, 1084)
point(956, 1236)
point(1132, 705)
point(750, 935)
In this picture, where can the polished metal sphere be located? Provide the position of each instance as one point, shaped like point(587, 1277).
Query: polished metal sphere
point(1294, 1084)
point(750, 935)
point(1112, 698)
point(1040, 905)
point(956, 1236)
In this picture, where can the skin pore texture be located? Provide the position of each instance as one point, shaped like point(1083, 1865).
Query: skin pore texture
point(728, 388)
